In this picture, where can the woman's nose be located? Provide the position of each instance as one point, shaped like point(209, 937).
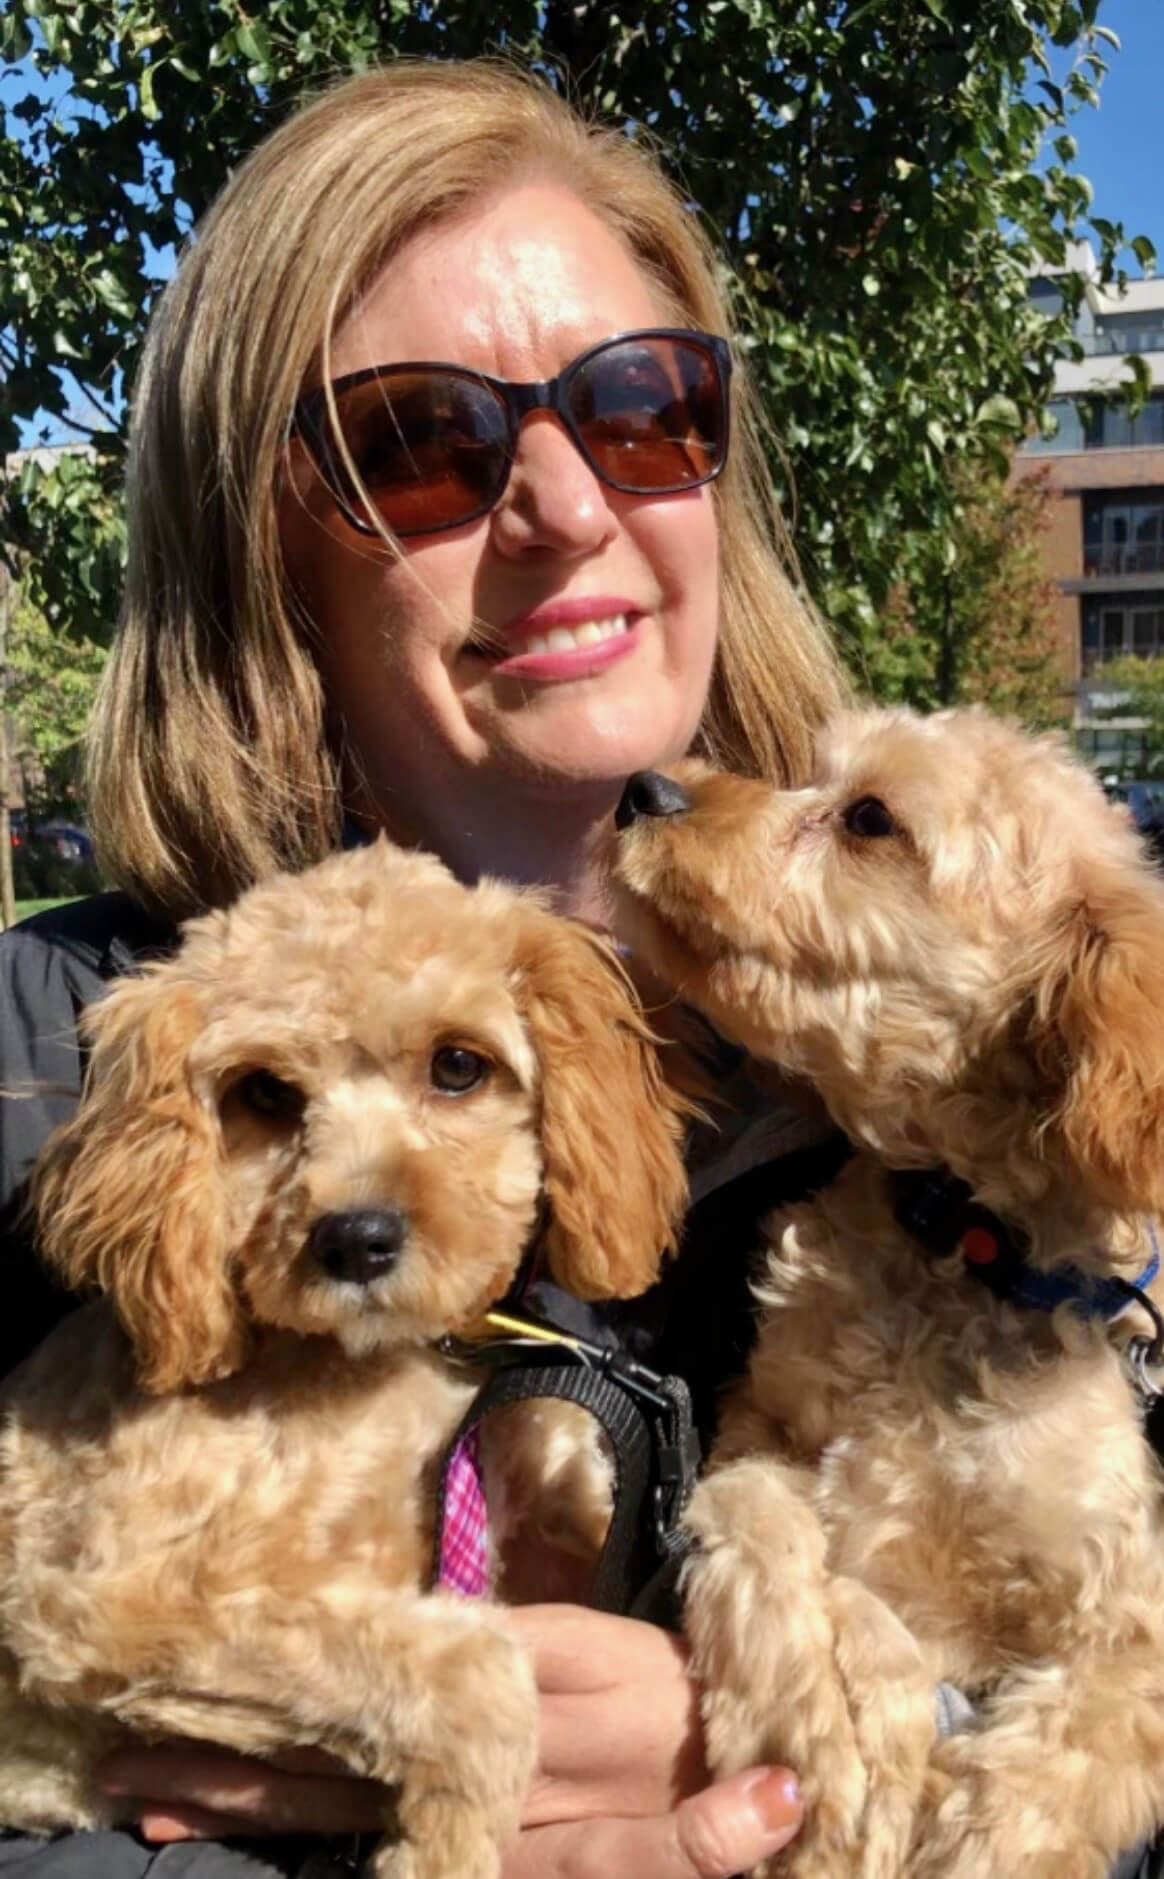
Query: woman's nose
point(553, 498)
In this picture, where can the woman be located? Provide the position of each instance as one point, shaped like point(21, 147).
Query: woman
point(368, 596)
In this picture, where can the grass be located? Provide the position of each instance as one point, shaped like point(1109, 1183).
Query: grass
point(26, 907)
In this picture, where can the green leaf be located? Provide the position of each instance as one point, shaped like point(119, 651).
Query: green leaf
point(145, 93)
point(112, 293)
point(15, 38)
point(1001, 411)
point(254, 42)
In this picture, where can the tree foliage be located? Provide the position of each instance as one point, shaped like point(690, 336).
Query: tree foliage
point(882, 174)
point(51, 679)
point(975, 621)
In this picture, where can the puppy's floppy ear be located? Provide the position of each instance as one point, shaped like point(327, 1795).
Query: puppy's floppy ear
point(1100, 1012)
point(612, 1130)
point(128, 1194)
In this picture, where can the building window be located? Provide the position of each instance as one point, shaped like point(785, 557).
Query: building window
point(1123, 533)
point(1116, 624)
point(1094, 424)
point(1067, 418)
point(1125, 332)
point(1108, 426)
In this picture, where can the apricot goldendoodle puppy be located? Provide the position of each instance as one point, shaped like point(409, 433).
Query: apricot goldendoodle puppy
point(312, 1143)
point(924, 1476)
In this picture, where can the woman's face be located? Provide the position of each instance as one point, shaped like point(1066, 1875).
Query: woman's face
point(447, 736)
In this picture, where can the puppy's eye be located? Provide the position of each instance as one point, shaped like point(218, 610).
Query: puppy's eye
point(868, 816)
point(267, 1095)
point(455, 1070)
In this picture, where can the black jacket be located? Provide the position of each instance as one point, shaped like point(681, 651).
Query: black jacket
point(50, 968)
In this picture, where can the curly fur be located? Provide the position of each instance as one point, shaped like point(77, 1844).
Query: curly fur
point(217, 1481)
point(916, 1481)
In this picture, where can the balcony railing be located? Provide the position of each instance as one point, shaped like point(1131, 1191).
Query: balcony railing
point(1095, 656)
point(1124, 558)
point(1134, 339)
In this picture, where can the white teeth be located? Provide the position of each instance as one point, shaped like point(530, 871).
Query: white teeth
point(586, 633)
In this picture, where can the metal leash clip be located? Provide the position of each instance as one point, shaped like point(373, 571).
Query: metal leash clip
point(1143, 1355)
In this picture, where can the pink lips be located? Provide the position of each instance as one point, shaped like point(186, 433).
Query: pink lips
point(540, 641)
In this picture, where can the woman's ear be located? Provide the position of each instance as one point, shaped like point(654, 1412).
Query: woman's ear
point(1100, 1005)
point(128, 1195)
point(612, 1130)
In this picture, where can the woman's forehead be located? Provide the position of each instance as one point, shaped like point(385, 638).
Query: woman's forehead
point(516, 287)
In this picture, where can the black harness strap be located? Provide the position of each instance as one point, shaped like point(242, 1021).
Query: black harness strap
point(647, 1421)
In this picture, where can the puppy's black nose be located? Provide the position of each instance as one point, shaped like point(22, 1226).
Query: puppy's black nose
point(360, 1245)
point(649, 794)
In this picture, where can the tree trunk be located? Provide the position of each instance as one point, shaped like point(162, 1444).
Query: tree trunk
point(7, 892)
point(947, 672)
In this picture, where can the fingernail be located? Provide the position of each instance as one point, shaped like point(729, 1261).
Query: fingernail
point(775, 1795)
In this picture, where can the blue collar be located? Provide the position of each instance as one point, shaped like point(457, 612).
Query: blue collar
point(939, 1211)
point(1095, 1297)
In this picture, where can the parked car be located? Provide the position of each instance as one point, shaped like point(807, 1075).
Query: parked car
point(66, 839)
point(52, 859)
point(1145, 801)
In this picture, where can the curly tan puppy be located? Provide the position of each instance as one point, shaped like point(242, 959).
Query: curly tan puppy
point(311, 1144)
point(956, 937)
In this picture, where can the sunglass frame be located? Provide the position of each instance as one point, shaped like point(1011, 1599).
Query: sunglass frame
point(518, 401)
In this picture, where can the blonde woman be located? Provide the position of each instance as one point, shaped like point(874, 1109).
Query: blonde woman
point(447, 512)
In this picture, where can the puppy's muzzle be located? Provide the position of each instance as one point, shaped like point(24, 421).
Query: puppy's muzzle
point(360, 1245)
point(649, 794)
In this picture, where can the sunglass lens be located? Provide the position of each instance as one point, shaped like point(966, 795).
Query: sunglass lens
point(430, 448)
point(651, 413)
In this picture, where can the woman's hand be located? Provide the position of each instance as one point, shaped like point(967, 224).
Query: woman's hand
point(621, 1789)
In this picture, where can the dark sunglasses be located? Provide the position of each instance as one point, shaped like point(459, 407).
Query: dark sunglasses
point(432, 445)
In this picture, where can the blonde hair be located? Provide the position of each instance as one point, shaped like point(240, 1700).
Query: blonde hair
point(209, 759)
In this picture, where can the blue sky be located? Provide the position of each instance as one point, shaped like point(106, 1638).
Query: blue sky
point(1121, 145)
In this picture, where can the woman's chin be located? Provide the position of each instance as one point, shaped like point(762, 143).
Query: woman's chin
point(570, 745)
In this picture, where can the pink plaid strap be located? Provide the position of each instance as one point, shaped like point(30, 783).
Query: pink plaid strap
point(464, 1557)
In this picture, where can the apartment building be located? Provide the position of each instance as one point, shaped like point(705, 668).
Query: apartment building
point(1105, 548)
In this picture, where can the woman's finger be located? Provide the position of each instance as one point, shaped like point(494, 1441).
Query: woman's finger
point(164, 1825)
point(182, 1785)
point(577, 1651)
point(620, 1724)
point(723, 1830)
